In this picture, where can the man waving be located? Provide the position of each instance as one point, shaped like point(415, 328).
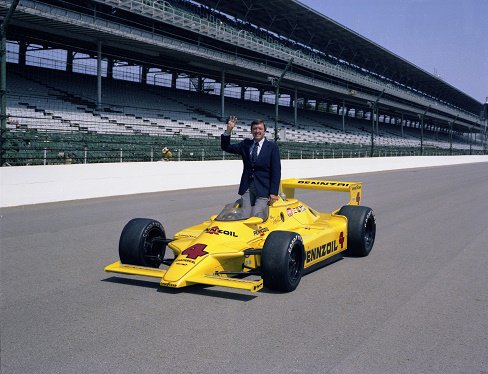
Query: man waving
point(260, 181)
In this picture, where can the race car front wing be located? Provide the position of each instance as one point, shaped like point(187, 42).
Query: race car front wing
point(207, 279)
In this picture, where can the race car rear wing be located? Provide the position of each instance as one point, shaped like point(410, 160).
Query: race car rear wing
point(288, 187)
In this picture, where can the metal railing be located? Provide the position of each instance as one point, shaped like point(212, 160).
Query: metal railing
point(29, 147)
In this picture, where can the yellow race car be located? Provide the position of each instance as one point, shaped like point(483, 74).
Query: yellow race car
point(230, 250)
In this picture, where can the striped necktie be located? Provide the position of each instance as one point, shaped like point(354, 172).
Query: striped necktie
point(254, 152)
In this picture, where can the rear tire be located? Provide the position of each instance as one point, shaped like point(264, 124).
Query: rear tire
point(361, 229)
point(282, 261)
point(142, 243)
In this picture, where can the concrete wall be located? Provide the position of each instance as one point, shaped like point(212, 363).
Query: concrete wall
point(41, 184)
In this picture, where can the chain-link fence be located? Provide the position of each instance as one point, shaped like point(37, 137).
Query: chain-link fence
point(28, 147)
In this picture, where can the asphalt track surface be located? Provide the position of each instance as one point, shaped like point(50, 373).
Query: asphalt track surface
point(417, 304)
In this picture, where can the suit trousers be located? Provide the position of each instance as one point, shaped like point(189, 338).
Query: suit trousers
point(253, 205)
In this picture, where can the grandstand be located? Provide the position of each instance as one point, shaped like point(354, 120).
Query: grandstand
point(114, 81)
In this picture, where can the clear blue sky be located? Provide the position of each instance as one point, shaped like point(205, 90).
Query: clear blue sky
point(448, 38)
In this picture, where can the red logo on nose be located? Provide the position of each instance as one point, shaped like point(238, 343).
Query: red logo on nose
point(195, 251)
point(341, 239)
point(213, 230)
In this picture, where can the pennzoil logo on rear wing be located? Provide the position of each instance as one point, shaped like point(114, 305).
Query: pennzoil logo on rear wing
point(288, 187)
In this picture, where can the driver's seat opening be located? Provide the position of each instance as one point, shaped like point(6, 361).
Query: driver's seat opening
point(234, 212)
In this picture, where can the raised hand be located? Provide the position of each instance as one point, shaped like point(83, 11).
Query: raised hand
point(231, 123)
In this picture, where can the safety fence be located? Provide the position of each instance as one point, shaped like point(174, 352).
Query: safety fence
point(27, 147)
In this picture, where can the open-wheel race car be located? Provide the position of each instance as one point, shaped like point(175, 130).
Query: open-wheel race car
point(228, 248)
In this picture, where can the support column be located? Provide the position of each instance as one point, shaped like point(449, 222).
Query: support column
point(295, 107)
point(450, 138)
point(377, 121)
point(110, 68)
point(277, 99)
point(374, 108)
point(3, 78)
point(99, 74)
point(422, 135)
point(22, 53)
point(144, 70)
point(402, 126)
point(200, 84)
point(372, 129)
point(422, 130)
point(344, 115)
point(69, 60)
point(3, 92)
point(222, 96)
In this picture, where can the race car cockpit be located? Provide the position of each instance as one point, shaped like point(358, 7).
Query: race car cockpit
point(234, 212)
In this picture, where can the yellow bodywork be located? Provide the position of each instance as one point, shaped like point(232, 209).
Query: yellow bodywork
point(213, 252)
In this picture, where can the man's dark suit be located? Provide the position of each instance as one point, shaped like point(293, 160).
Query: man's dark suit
point(267, 168)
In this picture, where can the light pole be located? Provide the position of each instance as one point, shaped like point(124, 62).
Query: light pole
point(276, 83)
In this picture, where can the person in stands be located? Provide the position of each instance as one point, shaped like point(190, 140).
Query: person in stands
point(167, 155)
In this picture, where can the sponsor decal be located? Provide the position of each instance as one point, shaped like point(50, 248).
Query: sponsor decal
point(358, 198)
point(195, 251)
point(215, 230)
point(182, 260)
point(321, 183)
point(260, 231)
point(293, 241)
point(322, 251)
point(341, 239)
point(295, 210)
point(149, 227)
point(274, 220)
point(370, 213)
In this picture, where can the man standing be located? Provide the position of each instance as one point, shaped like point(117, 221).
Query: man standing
point(260, 181)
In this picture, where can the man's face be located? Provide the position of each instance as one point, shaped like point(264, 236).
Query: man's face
point(258, 132)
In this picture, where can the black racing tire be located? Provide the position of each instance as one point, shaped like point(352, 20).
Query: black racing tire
point(282, 261)
point(361, 229)
point(142, 242)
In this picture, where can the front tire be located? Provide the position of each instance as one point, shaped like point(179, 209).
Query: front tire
point(282, 261)
point(142, 242)
point(361, 229)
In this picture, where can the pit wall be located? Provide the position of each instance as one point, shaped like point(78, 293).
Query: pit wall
point(25, 185)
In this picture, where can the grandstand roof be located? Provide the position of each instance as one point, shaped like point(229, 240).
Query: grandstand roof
point(288, 18)
point(296, 21)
